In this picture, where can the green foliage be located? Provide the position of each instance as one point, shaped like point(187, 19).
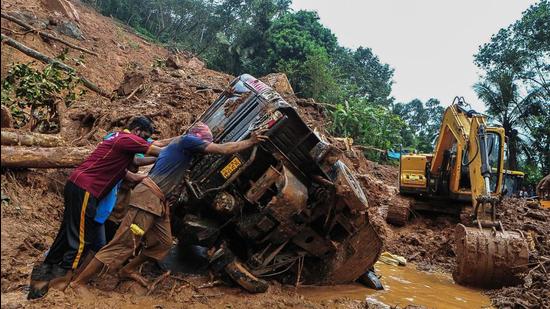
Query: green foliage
point(423, 122)
point(260, 37)
point(367, 124)
point(522, 48)
point(362, 75)
point(264, 36)
point(515, 86)
point(32, 95)
point(533, 174)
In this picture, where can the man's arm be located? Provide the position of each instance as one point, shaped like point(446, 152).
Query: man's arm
point(153, 150)
point(164, 142)
point(134, 144)
point(142, 161)
point(234, 147)
point(133, 177)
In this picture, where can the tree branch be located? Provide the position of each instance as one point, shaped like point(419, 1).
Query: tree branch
point(45, 34)
point(39, 56)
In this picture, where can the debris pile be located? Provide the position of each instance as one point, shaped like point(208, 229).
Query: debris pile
point(534, 292)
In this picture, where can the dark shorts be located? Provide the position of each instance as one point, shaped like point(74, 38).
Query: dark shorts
point(78, 230)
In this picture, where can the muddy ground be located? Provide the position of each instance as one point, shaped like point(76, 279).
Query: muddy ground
point(173, 94)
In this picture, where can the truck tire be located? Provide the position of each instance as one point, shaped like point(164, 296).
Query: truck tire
point(244, 278)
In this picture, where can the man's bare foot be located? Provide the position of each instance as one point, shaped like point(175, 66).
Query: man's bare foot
point(80, 290)
point(133, 275)
point(61, 283)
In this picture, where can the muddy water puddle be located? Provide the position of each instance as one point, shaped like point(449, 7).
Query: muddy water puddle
point(404, 286)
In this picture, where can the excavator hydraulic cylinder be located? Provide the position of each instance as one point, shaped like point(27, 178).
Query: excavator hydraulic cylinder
point(489, 258)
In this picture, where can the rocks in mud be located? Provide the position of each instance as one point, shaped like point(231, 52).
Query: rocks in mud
point(428, 243)
point(279, 82)
point(178, 73)
point(174, 62)
point(398, 214)
point(62, 7)
point(131, 82)
point(533, 292)
point(30, 18)
point(184, 60)
point(71, 29)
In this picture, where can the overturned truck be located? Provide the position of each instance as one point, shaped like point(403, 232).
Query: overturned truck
point(286, 209)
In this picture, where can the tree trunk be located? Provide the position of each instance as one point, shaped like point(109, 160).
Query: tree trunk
point(31, 139)
point(512, 148)
point(37, 157)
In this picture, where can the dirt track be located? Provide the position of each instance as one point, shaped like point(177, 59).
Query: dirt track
point(32, 201)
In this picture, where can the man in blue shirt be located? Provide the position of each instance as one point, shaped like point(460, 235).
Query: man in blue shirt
point(148, 214)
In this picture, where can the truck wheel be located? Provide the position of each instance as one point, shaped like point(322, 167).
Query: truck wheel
point(244, 278)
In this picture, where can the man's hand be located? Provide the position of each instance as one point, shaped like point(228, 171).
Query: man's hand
point(234, 147)
point(133, 177)
point(258, 136)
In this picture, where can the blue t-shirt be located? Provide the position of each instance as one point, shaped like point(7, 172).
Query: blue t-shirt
point(174, 160)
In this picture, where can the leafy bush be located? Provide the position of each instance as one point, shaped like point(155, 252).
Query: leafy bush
point(32, 95)
point(367, 124)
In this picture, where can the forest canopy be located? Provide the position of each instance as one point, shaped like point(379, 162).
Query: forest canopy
point(265, 36)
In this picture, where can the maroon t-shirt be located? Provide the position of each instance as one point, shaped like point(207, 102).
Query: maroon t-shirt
point(108, 162)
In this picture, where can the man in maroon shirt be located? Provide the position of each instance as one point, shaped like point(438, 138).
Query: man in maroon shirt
point(86, 185)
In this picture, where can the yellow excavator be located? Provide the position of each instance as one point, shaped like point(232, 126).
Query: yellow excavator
point(465, 175)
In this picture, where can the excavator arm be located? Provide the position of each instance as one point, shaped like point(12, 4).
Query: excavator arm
point(486, 167)
point(466, 145)
point(468, 164)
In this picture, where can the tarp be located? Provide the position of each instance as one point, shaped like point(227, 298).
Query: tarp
point(394, 155)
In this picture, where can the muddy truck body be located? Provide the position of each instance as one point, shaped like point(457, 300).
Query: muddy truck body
point(285, 209)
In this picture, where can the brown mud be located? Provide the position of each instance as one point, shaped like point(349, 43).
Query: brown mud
point(406, 285)
point(174, 93)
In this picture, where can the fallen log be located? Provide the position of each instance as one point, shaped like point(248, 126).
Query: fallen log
point(30, 139)
point(46, 35)
point(39, 56)
point(39, 157)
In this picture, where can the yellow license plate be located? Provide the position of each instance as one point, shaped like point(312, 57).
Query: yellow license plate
point(231, 167)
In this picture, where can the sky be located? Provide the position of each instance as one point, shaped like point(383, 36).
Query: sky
point(429, 43)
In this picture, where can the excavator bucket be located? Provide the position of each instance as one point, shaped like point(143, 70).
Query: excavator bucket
point(489, 258)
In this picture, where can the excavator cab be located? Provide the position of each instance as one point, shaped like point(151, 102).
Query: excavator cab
point(513, 181)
